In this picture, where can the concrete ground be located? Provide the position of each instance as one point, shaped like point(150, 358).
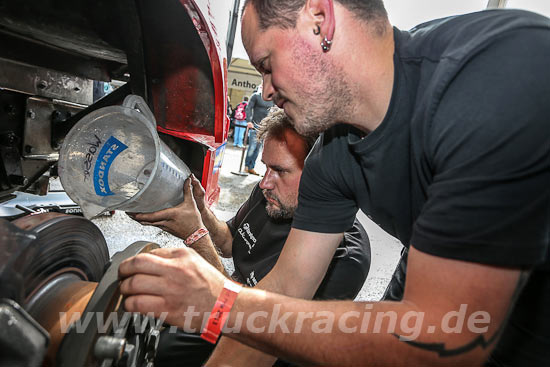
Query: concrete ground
point(120, 231)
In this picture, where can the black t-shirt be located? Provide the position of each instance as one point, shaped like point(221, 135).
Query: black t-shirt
point(460, 165)
point(259, 239)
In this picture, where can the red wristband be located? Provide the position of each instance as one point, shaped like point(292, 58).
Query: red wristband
point(195, 236)
point(220, 312)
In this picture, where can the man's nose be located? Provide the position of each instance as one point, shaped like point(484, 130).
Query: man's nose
point(267, 183)
point(268, 90)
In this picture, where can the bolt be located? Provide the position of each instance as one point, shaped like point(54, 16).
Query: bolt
point(8, 139)
point(31, 114)
point(18, 180)
point(109, 347)
point(60, 117)
point(28, 149)
point(11, 138)
point(10, 110)
point(153, 341)
point(56, 115)
point(76, 89)
point(42, 84)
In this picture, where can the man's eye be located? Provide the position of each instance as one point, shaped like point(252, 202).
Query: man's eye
point(264, 70)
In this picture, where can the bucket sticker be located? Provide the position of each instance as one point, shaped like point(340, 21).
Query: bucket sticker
point(112, 148)
point(219, 158)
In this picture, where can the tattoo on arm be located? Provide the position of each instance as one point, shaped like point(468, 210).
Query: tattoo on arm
point(480, 340)
point(440, 348)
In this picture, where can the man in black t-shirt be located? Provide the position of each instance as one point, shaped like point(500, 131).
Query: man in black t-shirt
point(441, 135)
point(255, 236)
point(259, 234)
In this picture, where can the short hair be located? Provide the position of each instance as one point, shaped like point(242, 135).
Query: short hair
point(284, 13)
point(274, 125)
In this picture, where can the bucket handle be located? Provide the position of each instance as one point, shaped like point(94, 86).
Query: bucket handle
point(137, 103)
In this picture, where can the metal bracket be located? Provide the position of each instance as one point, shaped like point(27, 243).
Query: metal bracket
point(61, 128)
point(40, 115)
point(44, 82)
point(22, 340)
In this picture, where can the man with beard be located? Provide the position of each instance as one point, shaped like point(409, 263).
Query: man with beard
point(441, 135)
point(255, 236)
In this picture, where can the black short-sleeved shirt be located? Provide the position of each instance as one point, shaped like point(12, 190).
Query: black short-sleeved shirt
point(259, 239)
point(460, 165)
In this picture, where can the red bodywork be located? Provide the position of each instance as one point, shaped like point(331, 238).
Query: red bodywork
point(182, 96)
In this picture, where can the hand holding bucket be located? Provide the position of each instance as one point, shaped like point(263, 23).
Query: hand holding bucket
point(113, 159)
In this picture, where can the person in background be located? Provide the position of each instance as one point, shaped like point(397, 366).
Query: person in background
point(240, 123)
point(255, 112)
point(229, 110)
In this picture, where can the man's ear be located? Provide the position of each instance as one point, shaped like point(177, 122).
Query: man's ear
point(322, 14)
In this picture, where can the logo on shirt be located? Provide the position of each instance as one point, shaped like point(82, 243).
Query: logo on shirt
point(251, 280)
point(248, 236)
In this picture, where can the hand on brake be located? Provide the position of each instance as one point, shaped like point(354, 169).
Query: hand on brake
point(176, 284)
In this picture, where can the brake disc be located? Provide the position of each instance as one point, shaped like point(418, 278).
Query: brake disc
point(65, 249)
point(59, 270)
point(71, 248)
point(55, 272)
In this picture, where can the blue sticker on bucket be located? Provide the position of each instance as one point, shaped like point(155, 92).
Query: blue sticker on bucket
point(112, 148)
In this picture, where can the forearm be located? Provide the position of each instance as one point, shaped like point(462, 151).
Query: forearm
point(219, 232)
point(230, 352)
point(205, 248)
point(283, 279)
point(352, 333)
point(447, 317)
point(478, 296)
